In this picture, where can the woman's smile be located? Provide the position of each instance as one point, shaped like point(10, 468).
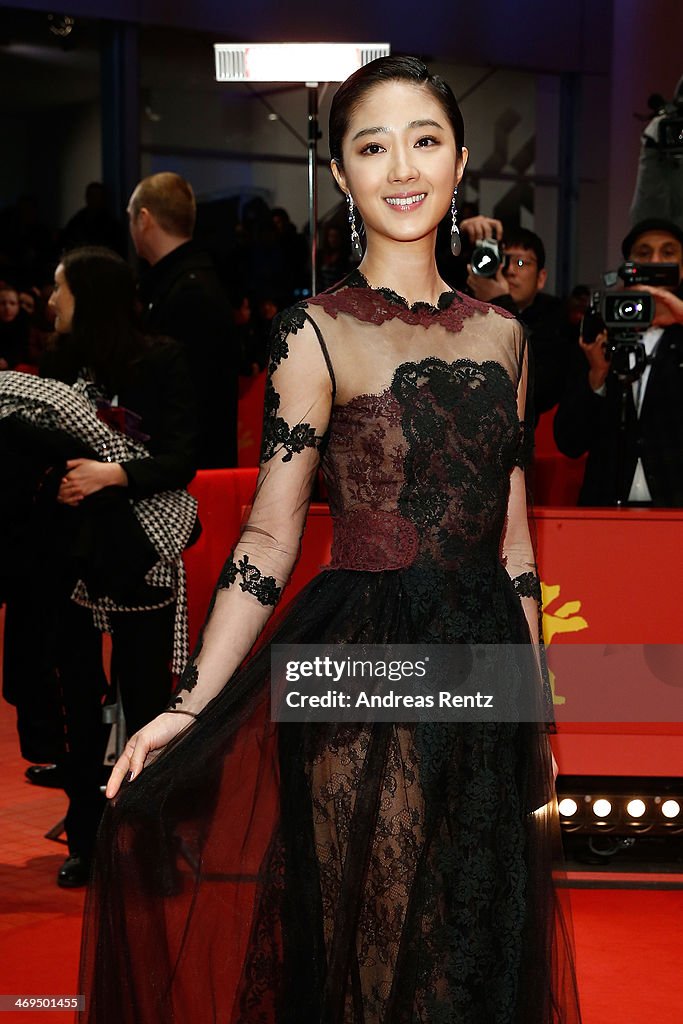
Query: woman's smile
point(405, 202)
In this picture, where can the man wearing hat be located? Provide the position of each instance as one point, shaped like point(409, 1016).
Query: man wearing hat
point(589, 415)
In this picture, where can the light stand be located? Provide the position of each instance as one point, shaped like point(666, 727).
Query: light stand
point(310, 64)
point(313, 136)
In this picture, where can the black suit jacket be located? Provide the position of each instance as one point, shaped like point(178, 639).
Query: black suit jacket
point(183, 298)
point(587, 422)
point(550, 341)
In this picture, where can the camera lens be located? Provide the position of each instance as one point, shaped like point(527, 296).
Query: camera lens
point(483, 261)
point(628, 309)
point(486, 258)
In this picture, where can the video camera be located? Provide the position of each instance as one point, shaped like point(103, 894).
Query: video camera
point(626, 315)
point(666, 130)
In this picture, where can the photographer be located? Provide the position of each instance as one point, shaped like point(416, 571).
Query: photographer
point(517, 286)
point(659, 187)
point(589, 416)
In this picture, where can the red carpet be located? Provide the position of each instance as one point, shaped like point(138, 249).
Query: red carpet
point(629, 951)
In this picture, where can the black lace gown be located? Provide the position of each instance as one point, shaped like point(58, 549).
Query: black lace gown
point(383, 873)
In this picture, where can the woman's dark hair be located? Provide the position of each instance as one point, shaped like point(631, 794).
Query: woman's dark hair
point(104, 336)
point(389, 69)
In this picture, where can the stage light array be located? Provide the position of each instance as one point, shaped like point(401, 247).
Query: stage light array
point(623, 806)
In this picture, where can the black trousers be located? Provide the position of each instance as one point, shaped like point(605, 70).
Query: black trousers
point(29, 673)
point(142, 645)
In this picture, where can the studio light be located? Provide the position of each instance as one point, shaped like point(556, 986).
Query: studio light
point(307, 63)
point(620, 805)
point(635, 808)
point(602, 808)
point(671, 808)
point(293, 62)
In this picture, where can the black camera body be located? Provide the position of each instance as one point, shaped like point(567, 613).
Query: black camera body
point(625, 316)
point(659, 275)
point(487, 258)
point(670, 132)
point(629, 311)
point(667, 135)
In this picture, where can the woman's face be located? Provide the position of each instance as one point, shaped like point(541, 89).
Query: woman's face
point(400, 161)
point(62, 302)
point(9, 305)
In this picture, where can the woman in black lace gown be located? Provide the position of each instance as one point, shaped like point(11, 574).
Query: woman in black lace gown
point(379, 873)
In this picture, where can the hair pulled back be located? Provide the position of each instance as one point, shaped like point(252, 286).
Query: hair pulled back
point(103, 329)
point(388, 69)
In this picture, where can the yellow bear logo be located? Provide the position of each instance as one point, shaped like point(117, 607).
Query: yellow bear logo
point(563, 619)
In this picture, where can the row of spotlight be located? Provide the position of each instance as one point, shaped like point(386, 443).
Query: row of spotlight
point(623, 812)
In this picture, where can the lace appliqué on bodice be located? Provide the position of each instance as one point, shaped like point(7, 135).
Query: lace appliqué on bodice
point(423, 468)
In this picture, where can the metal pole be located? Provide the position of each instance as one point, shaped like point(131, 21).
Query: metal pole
point(568, 192)
point(120, 82)
point(313, 136)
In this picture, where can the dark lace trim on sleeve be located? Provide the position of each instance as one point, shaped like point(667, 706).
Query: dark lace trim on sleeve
point(264, 588)
point(278, 434)
point(525, 447)
point(228, 575)
point(187, 681)
point(528, 585)
point(288, 322)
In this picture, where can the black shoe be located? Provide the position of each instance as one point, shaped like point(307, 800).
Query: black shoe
point(49, 775)
point(74, 873)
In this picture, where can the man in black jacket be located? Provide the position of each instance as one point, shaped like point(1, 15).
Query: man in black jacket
point(589, 415)
point(183, 298)
point(518, 287)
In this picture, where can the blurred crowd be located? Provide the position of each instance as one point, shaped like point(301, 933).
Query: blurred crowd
point(217, 284)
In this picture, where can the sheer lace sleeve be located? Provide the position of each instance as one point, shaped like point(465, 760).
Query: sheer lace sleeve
point(299, 395)
point(517, 548)
point(518, 553)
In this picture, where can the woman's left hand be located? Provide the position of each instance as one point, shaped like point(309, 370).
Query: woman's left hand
point(86, 476)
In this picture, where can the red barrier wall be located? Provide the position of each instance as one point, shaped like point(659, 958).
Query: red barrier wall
point(609, 576)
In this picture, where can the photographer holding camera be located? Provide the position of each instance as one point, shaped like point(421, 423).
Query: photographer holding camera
point(512, 275)
point(631, 423)
point(659, 187)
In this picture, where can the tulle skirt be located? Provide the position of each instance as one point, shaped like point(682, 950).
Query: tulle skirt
point(379, 873)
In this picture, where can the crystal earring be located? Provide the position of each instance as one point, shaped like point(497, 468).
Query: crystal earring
point(356, 247)
point(456, 243)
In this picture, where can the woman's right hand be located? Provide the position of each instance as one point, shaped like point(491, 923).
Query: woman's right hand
point(598, 363)
point(145, 745)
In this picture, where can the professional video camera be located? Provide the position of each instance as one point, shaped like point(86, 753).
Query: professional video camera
point(626, 315)
point(659, 184)
point(665, 131)
point(487, 257)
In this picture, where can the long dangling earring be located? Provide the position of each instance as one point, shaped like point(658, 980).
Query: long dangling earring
point(456, 242)
point(356, 247)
